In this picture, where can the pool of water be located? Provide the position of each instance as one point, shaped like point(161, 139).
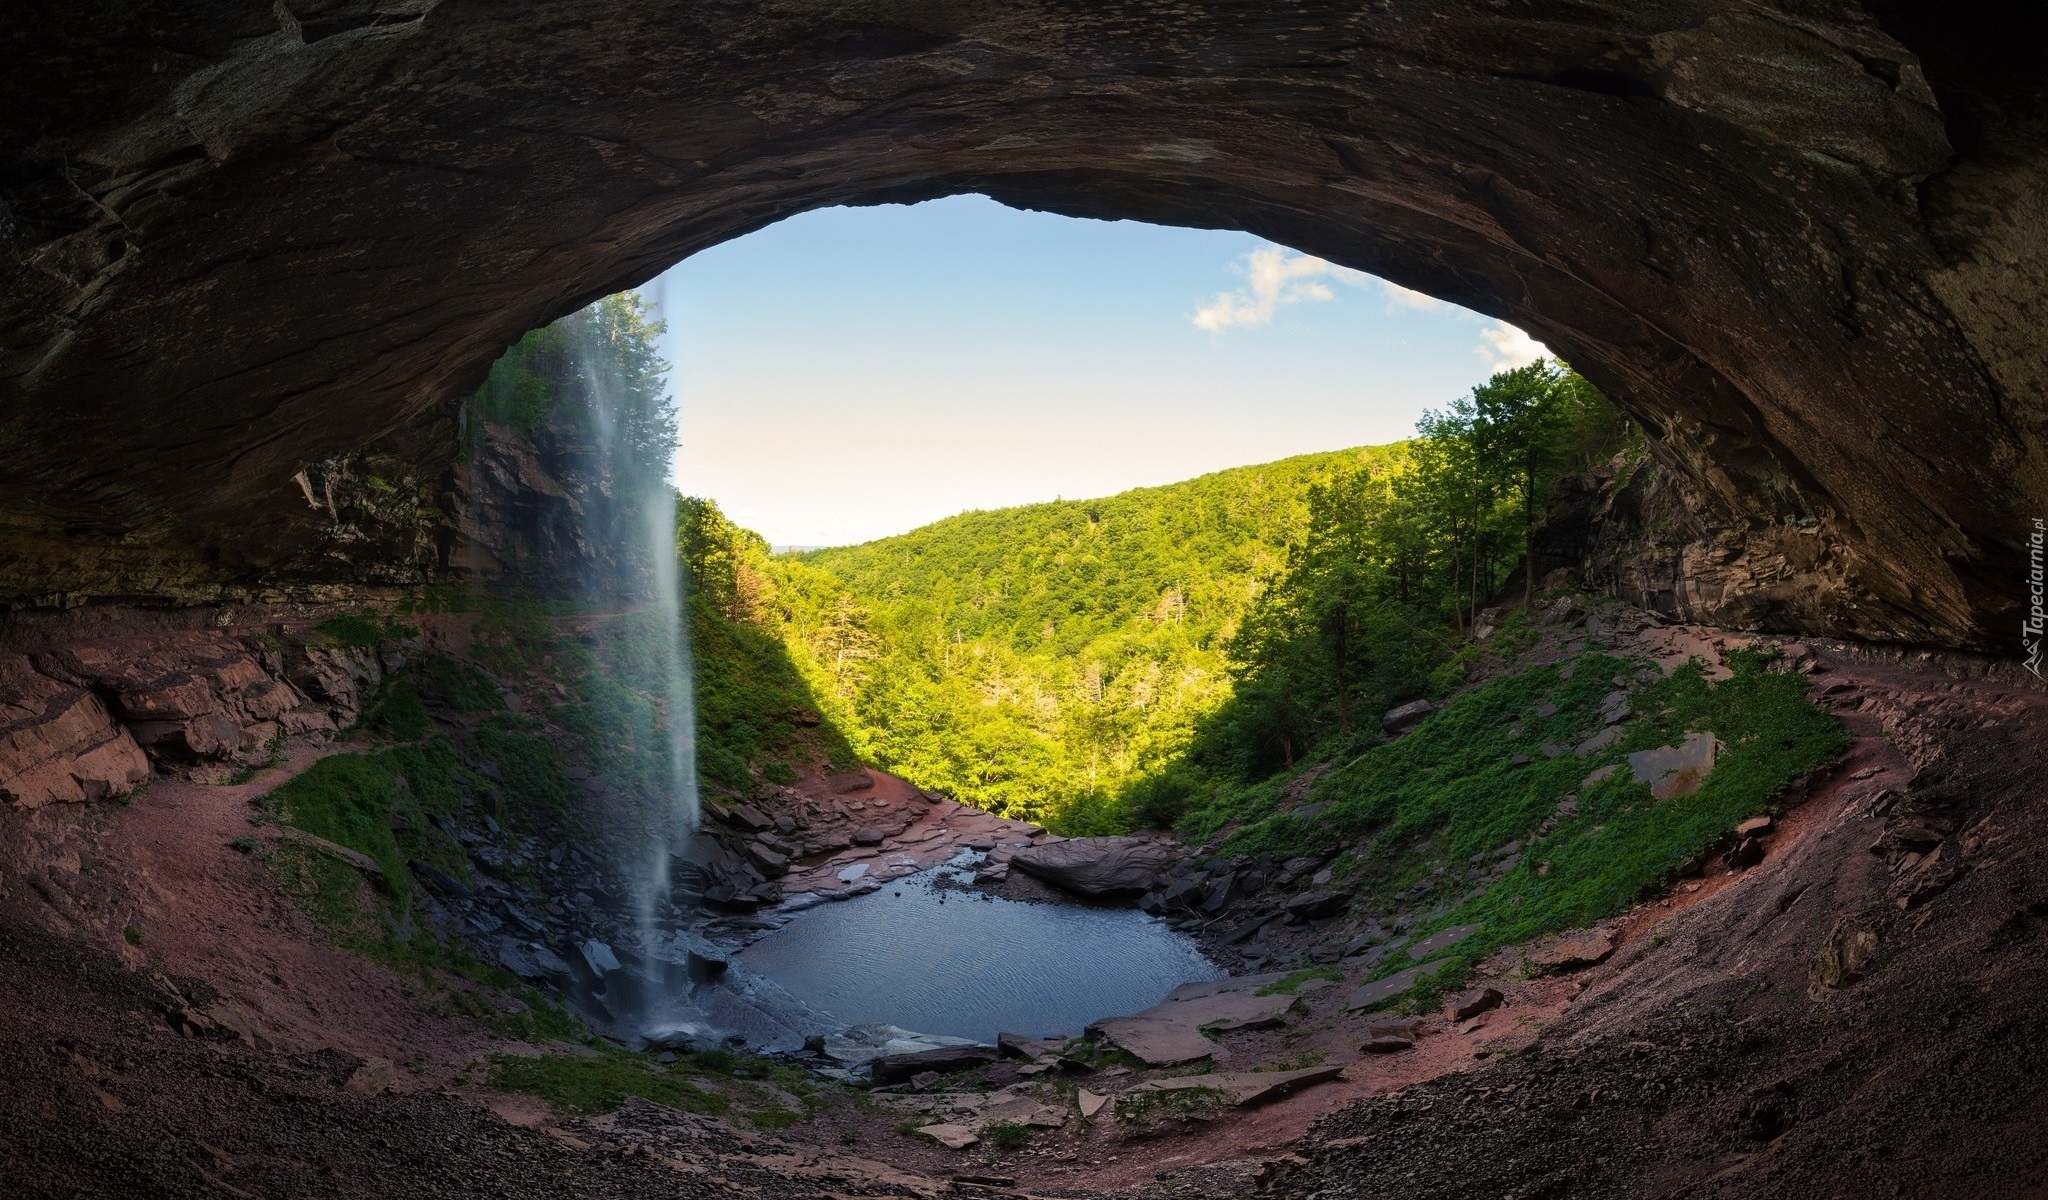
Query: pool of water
point(961, 963)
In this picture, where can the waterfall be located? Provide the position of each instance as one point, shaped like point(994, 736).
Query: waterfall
point(630, 519)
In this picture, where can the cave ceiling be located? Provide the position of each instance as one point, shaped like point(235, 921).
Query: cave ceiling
point(1801, 242)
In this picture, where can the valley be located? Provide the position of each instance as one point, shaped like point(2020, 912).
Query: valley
point(421, 777)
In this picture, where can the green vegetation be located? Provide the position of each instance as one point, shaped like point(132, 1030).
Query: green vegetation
point(381, 805)
point(1100, 664)
point(1290, 983)
point(717, 1083)
point(1452, 796)
point(1037, 660)
point(1008, 1135)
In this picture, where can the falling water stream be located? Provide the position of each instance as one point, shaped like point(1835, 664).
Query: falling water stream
point(641, 512)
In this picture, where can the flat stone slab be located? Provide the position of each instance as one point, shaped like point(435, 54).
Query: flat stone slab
point(1675, 770)
point(1213, 987)
point(952, 1137)
point(1247, 1089)
point(1156, 1043)
point(1441, 940)
point(1381, 990)
point(895, 1068)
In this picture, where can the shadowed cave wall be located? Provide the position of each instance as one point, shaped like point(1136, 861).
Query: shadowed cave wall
point(1801, 242)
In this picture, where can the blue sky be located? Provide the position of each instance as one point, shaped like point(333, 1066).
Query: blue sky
point(852, 373)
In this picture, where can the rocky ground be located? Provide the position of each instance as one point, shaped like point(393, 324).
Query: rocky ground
point(1851, 1014)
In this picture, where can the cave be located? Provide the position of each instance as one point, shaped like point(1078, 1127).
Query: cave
point(1799, 244)
point(255, 253)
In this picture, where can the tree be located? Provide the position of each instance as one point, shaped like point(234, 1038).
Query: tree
point(1519, 419)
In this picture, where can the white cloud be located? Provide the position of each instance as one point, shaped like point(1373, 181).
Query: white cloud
point(1278, 277)
point(1505, 347)
point(1400, 297)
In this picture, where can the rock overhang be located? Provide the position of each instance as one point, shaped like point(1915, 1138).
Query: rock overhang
point(260, 242)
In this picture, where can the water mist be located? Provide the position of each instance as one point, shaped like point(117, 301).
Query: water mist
point(632, 514)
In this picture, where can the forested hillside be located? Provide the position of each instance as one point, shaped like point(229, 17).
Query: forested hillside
point(1104, 663)
point(1036, 660)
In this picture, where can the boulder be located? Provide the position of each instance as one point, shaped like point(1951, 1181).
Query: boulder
point(1098, 867)
point(749, 818)
point(868, 835)
point(1745, 854)
point(771, 862)
point(1474, 1002)
point(1399, 719)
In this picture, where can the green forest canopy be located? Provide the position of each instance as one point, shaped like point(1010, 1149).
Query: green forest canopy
point(1092, 663)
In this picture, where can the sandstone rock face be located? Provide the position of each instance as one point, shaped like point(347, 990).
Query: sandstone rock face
point(1801, 243)
point(83, 719)
point(58, 742)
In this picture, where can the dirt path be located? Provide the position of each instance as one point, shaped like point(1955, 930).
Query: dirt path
point(209, 911)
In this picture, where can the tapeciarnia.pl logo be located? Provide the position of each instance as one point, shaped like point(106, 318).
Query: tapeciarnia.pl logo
point(2037, 592)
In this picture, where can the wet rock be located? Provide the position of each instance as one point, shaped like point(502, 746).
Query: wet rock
point(767, 858)
point(1099, 868)
point(597, 957)
point(1221, 894)
point(743, 816)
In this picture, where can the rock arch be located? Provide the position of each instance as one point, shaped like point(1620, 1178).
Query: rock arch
point(1802, 242)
